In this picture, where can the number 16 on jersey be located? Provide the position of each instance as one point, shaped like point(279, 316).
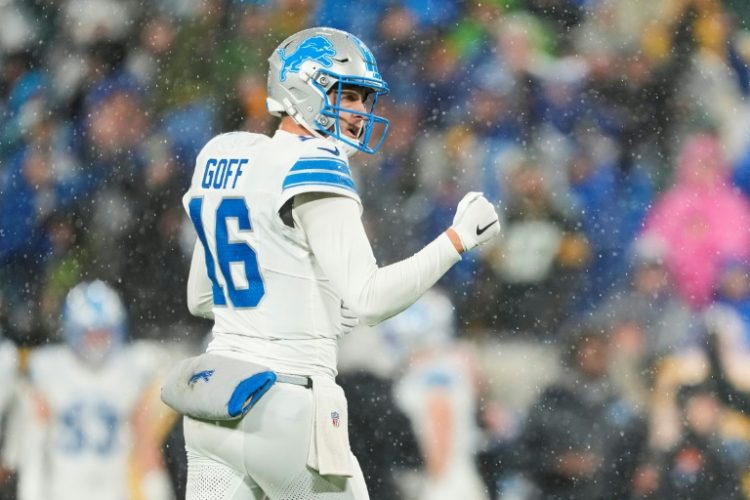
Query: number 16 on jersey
point(228, 253)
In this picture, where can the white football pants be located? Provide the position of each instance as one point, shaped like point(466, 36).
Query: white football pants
point(263, 455)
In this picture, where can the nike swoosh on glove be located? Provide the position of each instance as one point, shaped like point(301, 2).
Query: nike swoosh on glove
point(476, 220)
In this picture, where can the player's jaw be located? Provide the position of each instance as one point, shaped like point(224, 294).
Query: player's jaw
point(351, 119)
point(352, 127)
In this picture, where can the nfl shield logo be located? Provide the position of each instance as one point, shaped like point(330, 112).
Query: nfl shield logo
point(335, 418)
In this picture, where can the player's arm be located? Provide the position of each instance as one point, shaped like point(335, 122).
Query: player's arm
point(337, 237)
point(149, 421)
point(437, 446)
point(200, 300)
point(29, 439)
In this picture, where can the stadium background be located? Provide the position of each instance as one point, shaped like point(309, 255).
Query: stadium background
point(615, 135)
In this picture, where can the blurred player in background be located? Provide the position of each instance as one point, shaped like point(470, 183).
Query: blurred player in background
point(88, 427)
point(280, 246)
point(438, 391)
point(9, 375)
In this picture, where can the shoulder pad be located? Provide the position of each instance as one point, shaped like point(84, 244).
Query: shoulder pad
point(230, 139)
point(44, 359)
point(316, 146)
point(320, 167)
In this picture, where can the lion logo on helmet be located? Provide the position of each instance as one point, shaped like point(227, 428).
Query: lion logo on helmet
point(316, 48)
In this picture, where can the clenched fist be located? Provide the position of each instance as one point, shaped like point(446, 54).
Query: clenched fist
point(476, 220)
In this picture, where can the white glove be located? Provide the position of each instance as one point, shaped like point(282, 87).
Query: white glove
point(476, 220)
point(348, 319)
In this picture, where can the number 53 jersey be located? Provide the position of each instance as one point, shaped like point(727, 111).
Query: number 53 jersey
point(271, 301)
point(80, 443)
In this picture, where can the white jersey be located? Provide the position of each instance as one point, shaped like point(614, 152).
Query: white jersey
point(271, 300)
point(448, 375)
point(79, 446)
point(8, 374)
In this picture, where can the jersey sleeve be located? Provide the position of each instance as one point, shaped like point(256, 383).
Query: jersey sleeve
point(320, 168)
point(338, 240)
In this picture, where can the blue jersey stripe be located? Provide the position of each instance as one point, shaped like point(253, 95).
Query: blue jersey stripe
point(324, 178)
point(319, 171)
point(330, 184)
point(321, 164)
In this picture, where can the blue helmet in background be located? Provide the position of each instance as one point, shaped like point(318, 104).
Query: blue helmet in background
point(93, 321)
point(308, 66)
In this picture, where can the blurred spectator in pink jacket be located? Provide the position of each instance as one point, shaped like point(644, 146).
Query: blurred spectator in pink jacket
point(702, 220)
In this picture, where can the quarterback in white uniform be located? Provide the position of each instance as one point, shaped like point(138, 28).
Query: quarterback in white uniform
point(86, 435)
point(281, 247)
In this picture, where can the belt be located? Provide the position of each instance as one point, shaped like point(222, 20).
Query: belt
point(286, 378)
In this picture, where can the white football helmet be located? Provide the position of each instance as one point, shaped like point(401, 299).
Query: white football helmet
point(93, 321)
point(427, 324)
point(307, 66)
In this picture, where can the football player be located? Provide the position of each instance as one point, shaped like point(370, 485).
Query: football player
point(438, 392)
point(90, 433)
point(280, 248)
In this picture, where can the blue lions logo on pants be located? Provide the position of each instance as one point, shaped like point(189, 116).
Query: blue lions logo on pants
point(315, 48)
point(204, 375)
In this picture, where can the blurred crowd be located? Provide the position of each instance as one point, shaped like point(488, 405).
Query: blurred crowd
point(601, 345)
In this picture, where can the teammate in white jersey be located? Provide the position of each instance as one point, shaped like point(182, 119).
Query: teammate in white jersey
point(438, 392)
point(87, 434)
point(280, 248)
